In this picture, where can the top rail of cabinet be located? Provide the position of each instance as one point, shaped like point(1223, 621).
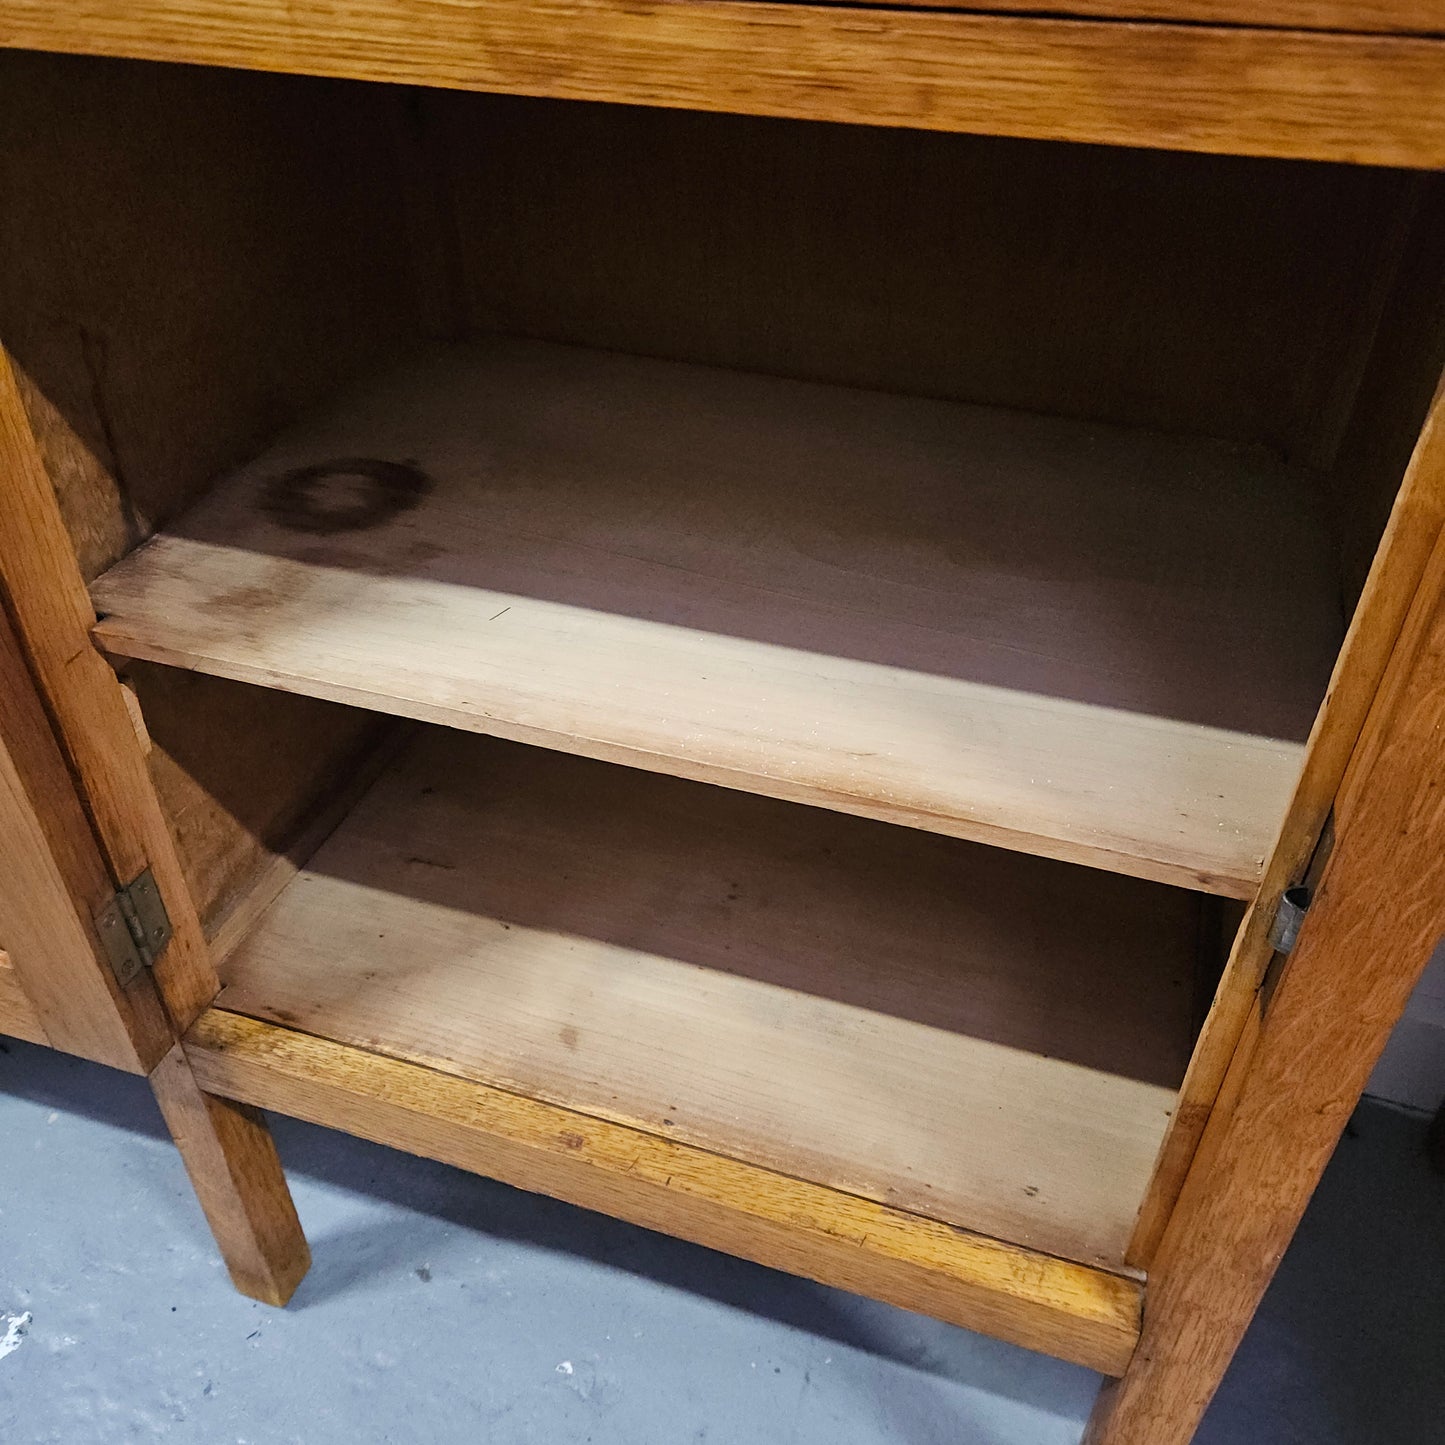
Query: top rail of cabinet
point(1359, 96)
point(1403, 17)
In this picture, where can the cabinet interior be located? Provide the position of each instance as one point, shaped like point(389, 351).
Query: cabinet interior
point(835, 624)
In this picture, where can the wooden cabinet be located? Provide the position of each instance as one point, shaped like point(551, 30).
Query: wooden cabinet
point(763, 675)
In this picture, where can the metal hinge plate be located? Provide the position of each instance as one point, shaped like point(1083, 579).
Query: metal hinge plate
point(1288, 917)
point(1290, 911)
point(134, 927)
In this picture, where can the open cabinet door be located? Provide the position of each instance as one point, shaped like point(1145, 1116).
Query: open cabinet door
point(58, 984)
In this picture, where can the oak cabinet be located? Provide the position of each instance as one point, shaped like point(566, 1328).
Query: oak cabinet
point(741, 614)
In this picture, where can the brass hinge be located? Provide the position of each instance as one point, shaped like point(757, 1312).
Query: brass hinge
point(134, 927)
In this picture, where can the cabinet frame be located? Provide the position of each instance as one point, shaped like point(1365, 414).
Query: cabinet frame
point(1264, 1100)
point(1346, 94)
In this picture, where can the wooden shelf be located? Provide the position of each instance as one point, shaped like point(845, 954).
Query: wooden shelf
point(989, 1040)
point(1080, 641)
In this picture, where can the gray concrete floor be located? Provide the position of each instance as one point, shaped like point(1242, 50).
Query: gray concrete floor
point(445, 1308)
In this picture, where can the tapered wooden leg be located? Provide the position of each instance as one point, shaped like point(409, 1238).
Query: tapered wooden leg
point(228, 1152)
point(1376, 918)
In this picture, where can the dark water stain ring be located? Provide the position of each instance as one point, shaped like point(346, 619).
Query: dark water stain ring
point(295, 498)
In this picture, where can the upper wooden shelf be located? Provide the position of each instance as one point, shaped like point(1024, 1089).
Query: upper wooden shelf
point(1080, 641)
point(1248, 88)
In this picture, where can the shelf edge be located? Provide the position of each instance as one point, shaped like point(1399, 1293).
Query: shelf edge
point(1087, 1316)
point(119, 639)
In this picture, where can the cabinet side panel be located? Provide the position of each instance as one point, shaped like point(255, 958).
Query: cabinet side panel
point(190, 260)
point(1406, 358)
point(243, 771)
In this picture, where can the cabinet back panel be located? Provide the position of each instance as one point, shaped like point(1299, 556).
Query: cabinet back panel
point(1234, 298)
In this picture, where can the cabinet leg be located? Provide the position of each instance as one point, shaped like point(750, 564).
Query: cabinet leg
point(231, 1159)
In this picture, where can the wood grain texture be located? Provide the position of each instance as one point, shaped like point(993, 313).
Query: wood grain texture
point(232, 1163)
point(1421, 17)
point(1415, 523)
point(52, 881)
point(241, 771)
point(251, 261)
point(1305, 94)
point(1046, 1304)
point(1375, 921)
point(829, 997)
point(18, 1018)
point(266, 883)
point(1091, 644)
point(1043, 277)
point(53, 618)
point(97, 515)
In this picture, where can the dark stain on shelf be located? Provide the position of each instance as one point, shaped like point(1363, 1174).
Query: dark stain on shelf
point(349, 494)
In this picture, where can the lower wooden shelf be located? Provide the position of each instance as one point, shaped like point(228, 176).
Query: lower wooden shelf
point(1085, 1315)
point(991, 1040)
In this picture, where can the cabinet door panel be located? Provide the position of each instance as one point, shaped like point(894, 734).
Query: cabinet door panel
point(58, 983)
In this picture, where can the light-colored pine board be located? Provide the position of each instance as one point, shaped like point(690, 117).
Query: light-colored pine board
point(1079, 1314)
point(17, 1014)
point(988, 1039)
point(1086, 642)
point(1370, 99)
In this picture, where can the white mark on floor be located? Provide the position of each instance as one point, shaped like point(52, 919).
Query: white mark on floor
point(15, 1327)
point(565, 1368)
